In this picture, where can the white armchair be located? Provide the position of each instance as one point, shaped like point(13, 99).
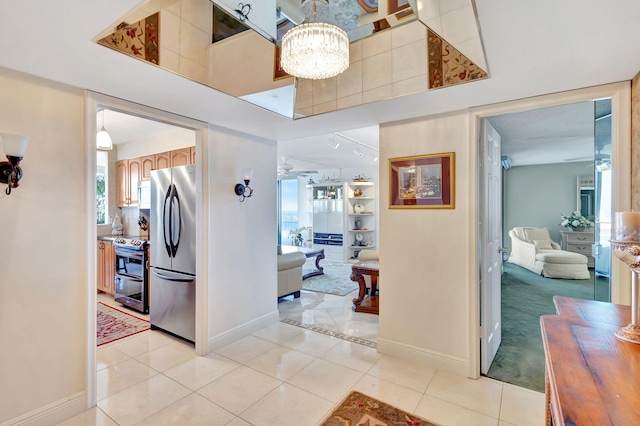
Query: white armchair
point(533, 249)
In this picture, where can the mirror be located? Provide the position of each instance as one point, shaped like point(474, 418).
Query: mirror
point(233, 47)
point(586, 197)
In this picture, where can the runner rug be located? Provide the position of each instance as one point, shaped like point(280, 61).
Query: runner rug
point(114, 324)
point(359, 409)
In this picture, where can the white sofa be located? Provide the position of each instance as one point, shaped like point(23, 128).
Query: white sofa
point(290, 273)
point(533, 249)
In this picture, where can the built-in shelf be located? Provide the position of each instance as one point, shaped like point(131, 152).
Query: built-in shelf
point(359, 195)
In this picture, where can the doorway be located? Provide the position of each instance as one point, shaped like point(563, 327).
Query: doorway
point(619, 144)
point(95, 106)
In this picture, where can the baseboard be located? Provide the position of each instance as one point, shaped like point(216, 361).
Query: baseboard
point(433, 359)
point(237, 333)
point(53, 413)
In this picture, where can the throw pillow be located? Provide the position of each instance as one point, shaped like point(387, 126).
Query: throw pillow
point(537, 234)
point(543, 244)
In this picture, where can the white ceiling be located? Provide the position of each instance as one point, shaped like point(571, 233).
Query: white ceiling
point(532, 48)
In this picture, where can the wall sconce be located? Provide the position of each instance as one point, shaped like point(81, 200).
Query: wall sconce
point(15, 146)
point(244, 191)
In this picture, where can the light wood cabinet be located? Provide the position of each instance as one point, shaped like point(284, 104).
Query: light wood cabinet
point(148, 163)
point(106, 267)
point(128, 174)
point(180, 157)
point(163, 160)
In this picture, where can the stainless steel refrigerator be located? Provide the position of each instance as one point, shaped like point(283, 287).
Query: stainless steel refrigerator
point(172, 281)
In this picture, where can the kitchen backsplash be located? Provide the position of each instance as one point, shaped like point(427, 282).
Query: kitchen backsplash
point(130, 218)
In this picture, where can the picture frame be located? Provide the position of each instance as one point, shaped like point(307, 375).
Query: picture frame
point(422, 181)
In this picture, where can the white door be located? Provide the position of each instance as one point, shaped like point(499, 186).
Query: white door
point(491, 239)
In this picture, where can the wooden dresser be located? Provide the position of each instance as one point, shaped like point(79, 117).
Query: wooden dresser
point(592, 378)
point(579, 242)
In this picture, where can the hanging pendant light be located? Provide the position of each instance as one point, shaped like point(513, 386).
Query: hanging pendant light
point(315, 50)
point(103, 140)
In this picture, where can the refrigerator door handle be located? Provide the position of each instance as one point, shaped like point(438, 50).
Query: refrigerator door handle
point(173, 277)
point(165, 224)
point(175, 220)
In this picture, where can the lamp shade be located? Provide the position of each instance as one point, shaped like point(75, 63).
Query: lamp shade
point(315, 51)
point(14, 145)
point(246, 174)
point(103, 140)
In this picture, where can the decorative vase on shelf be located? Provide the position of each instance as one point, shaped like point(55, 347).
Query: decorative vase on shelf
point(358, 208)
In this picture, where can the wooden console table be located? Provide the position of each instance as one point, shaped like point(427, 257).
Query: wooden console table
point(591, 377)
point(366, 303)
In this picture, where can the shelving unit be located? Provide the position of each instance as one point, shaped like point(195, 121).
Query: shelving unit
point(328, 219)
point(360, 218)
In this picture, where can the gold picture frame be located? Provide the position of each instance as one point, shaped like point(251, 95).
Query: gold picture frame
point(422, 181)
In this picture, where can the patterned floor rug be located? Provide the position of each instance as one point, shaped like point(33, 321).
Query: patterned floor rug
point(114, 324)
point(359, 409)
point(336, 279)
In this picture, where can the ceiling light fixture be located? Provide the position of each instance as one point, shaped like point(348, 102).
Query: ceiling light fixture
point(332, 142)
point(357, 152)
point(103, 140)
point(315, 50)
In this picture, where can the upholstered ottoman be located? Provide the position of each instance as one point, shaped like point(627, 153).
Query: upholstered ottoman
point(562, 264)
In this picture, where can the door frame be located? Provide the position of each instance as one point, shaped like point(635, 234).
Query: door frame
point(620, 94)
point(94, 102)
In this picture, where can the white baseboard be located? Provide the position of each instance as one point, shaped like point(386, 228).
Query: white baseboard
point(237, 333)
point(433, 359)
point(53, 413)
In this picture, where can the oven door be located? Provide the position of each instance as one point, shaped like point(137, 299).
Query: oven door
point(131, 279)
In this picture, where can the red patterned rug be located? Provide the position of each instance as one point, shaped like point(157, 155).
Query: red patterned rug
point(361, 410)
point(114, 324)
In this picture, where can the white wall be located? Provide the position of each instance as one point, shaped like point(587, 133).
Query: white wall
point(243, 236)
point(42, 283)
point(538, 195)
point(424, 271)
point(163, 142)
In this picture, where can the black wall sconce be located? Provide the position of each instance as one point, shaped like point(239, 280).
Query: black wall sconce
point(14, 146)
point(244, 191)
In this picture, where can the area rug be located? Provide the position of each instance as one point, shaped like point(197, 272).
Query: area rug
point(114, 324)
point(361, 410)
point(336, 279)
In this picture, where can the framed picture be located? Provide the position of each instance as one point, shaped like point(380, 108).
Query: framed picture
point(422, 181)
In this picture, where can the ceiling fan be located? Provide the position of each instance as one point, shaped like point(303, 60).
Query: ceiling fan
point(287, 170)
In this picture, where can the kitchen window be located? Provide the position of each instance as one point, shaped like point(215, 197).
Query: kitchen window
point(102, 188)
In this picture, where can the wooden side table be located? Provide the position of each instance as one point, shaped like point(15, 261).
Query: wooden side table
point(591, 377)
point(366, 303)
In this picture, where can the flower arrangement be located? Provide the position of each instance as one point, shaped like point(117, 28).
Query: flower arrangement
point(296, 235)
point(575, 220)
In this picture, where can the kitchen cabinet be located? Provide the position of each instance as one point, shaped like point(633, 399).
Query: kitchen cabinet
point(128, 174)
point(192, 150)
point(360, 218)
point(106, 265)
point(148, 163)
point(180, 157)
point(163, 160)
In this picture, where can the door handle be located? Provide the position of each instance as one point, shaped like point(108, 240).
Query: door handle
point(171, 278)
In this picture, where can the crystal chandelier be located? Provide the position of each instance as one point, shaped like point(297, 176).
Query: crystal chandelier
point(315, 50)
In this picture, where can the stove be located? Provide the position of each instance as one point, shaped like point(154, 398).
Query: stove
point(133, 243)
point(132, 273)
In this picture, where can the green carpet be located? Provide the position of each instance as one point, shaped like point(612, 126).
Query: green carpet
point(525, 297)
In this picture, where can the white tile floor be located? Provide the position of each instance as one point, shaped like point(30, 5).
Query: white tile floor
point(287, 375)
